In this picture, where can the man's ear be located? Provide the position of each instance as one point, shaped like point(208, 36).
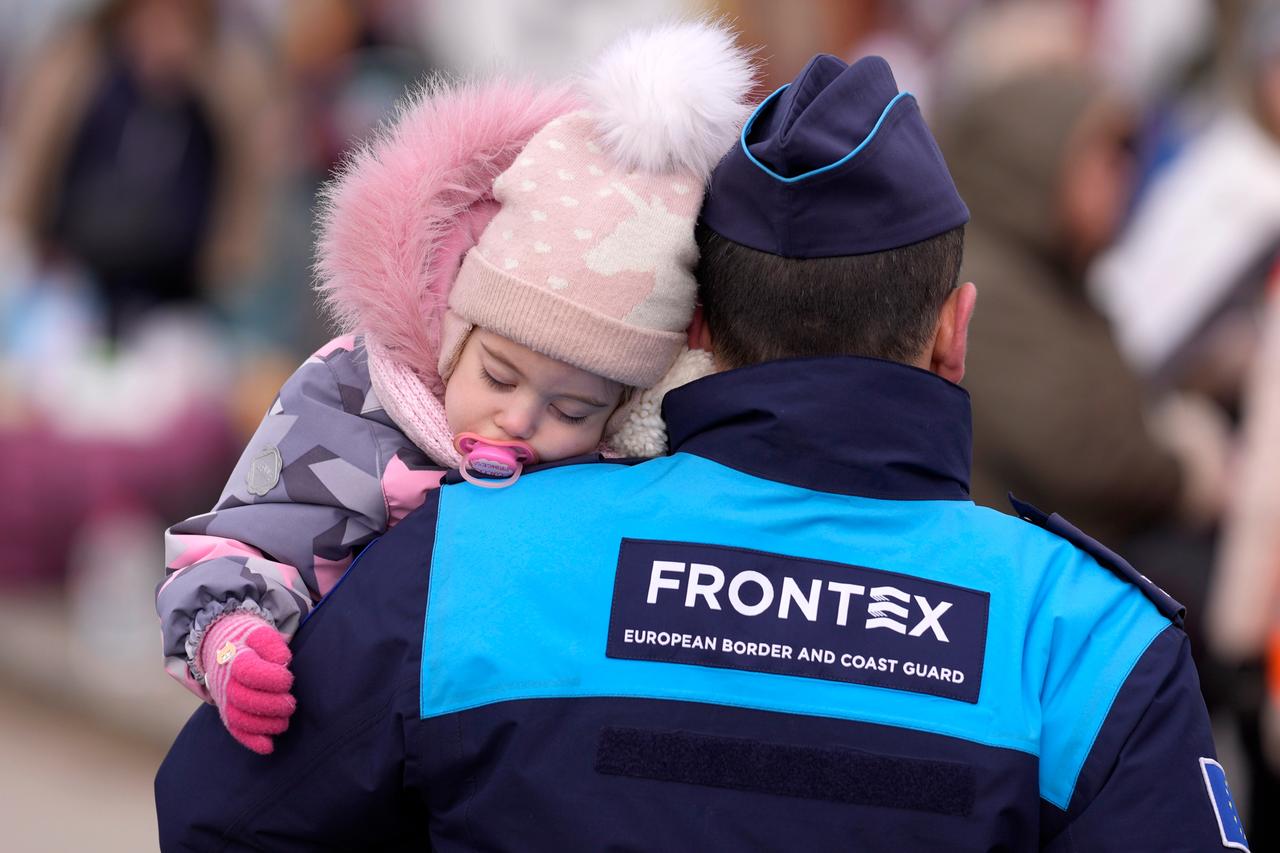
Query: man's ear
point(699, 334)
point(951, 341)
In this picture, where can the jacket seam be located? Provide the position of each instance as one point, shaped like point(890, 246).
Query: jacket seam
point(1093, 739)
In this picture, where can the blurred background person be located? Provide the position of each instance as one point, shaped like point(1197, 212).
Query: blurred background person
point(1042, 156)
point(132, 157)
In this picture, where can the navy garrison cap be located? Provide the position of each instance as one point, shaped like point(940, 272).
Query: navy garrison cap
point(837, 162)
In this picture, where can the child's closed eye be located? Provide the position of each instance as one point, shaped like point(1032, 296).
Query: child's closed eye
point(494, 383)
point(567, 418)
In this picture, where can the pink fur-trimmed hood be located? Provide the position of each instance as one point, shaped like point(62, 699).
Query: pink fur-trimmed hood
point(397, 219)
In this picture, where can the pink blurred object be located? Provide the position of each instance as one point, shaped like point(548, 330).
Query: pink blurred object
point(54, 483)
point(246, 668)
point(499, 461)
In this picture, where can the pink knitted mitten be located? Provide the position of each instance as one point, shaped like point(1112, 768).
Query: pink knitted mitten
point(246, 668)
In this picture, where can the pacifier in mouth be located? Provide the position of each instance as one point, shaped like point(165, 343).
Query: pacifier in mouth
point(498, 463)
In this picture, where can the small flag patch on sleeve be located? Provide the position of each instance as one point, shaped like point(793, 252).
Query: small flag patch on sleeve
point(1224, 809)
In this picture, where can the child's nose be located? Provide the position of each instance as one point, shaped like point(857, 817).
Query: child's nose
point(516, 421)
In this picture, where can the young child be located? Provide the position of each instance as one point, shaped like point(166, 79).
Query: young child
point(578, 288)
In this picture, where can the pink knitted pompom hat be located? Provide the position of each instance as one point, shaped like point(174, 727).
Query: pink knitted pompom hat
point(397, 219)
point(590, 259)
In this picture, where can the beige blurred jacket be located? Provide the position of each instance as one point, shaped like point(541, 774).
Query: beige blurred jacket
point(1244, 603)
point(1058, 416)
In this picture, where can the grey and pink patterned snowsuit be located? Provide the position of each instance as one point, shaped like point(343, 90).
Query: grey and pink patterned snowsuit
point(326, 473)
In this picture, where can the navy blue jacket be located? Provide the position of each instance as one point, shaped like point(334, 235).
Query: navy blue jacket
point(796, 632)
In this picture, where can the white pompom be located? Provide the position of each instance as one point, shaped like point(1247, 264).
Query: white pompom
point(671, 98)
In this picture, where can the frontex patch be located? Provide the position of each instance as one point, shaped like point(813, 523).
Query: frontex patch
point(710, 605)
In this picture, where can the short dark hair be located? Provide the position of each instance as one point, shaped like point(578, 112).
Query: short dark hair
point(760, 307)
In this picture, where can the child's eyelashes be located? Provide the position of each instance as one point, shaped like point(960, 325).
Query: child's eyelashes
point(569, 419)
point(493, 383)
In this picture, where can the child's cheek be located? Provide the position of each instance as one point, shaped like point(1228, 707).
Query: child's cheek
point(572, 440)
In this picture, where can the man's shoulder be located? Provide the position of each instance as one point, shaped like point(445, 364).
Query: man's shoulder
point(1098, 635)
point(1047, 550)
point(1098, 559)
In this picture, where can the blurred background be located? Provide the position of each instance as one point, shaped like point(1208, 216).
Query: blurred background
point(159, 164)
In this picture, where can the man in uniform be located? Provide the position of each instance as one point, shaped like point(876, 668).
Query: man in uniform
point(795, 632)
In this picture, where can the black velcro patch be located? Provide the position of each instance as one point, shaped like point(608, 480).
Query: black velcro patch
point(816, 773)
